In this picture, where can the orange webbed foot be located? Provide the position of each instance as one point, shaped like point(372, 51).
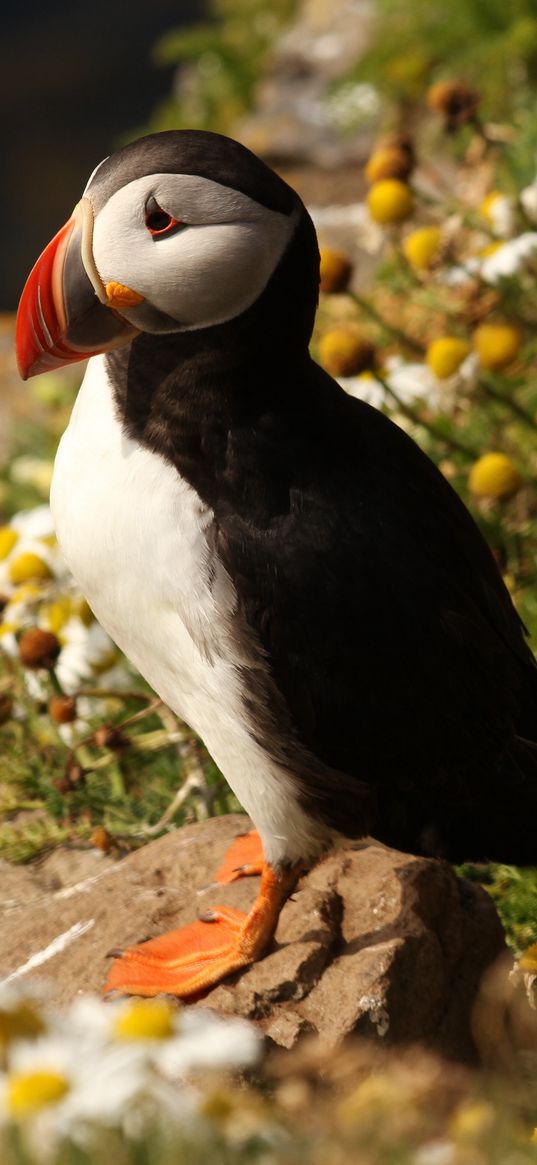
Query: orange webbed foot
point(193, 959)
point(243, 858)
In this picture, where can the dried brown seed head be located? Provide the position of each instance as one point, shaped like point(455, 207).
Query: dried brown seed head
point(39, 648)
point(62, 709)
point(456, 101)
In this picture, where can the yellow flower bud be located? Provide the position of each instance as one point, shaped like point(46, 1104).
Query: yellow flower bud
point(422, 247)
point(494, 476)
point(388, 162)
point(343, 352)
point(28, 565)
point(390, 201)
point(445, 355)
point(335, 271)
point(497, 344)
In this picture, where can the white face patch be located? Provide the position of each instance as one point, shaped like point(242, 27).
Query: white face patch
point(207, 272)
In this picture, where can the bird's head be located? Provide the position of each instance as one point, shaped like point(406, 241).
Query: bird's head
point(179, 231)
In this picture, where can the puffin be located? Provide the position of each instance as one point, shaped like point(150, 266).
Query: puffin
point(281, 562)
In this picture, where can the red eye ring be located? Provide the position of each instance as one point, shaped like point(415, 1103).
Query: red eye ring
point(158, 221)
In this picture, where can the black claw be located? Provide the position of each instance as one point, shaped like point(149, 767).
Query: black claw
point(114, 954)
point(209, 916)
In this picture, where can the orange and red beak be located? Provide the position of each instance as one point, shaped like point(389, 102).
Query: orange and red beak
point(64, 313)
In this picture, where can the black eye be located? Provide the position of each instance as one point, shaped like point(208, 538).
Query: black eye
point(157, 220)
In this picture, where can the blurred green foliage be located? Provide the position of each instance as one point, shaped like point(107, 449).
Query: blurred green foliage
point(515, 894)
point(45, 802)
point(221, 63)
point(491, 43)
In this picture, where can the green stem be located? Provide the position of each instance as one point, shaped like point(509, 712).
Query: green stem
point(509, 403)
point(404, 265)
point(55, 683)
point(414, 415)
point(392, 330)
point(115, 694)
point(150, 741)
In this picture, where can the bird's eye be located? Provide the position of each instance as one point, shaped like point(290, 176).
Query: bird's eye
point(158, 221)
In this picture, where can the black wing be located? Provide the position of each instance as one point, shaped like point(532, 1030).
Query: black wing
point(386, 625)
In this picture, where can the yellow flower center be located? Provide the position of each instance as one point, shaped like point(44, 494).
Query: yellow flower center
point(8, 539)
point(390, 201)
point(55, 615)
point(28, 565)
point(491, 249)
point(28, 1091)
point(486, 207)
point(26, 592)
point(148, 1019)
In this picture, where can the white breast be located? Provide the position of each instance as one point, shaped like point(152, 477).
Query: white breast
point(134, 535)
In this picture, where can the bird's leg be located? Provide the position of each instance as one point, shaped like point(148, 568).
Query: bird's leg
point(243, 858)
point(190, 960)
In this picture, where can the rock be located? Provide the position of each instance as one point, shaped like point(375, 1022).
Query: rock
point(374, 942)
point(296, 116)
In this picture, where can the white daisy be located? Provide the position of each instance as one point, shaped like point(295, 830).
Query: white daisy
point(510, 257)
